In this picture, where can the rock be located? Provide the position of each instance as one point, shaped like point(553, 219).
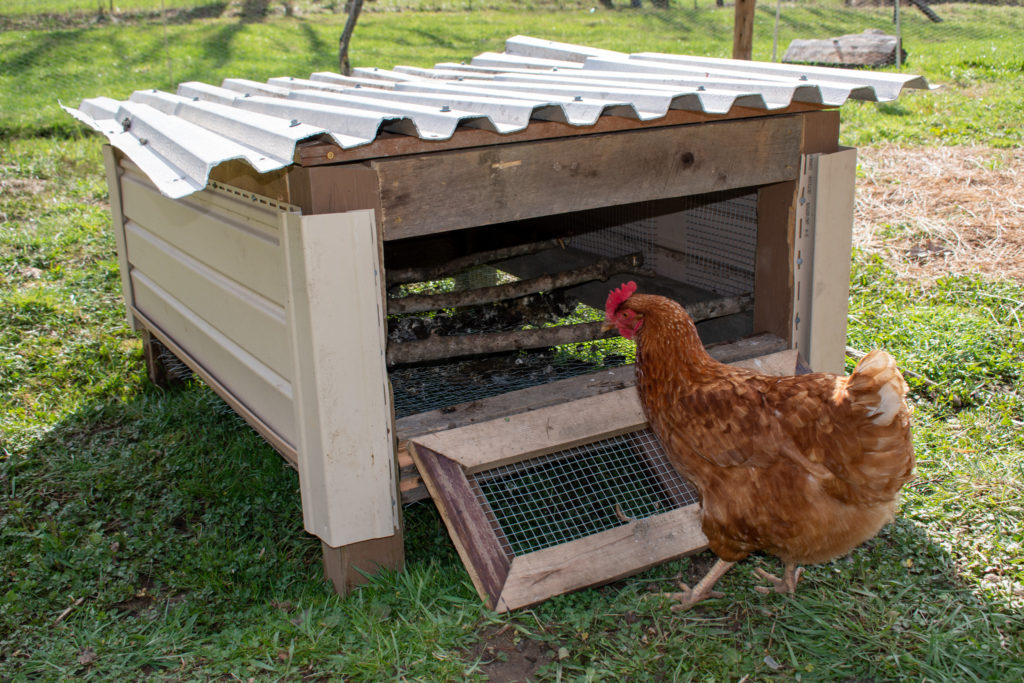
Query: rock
point(871, 48)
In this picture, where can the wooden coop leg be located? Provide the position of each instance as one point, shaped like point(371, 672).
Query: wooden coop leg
point(153, 354)
point(349, 565)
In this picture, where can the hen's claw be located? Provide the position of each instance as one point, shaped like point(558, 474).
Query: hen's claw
point(688, 597)
point(787, 584)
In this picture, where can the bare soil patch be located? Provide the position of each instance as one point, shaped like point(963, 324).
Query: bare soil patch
point(506, 656)
point(937, 211)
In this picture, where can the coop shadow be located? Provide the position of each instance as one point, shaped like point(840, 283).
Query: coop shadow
point(184, 495)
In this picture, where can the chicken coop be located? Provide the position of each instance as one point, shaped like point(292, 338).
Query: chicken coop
point(398, 277)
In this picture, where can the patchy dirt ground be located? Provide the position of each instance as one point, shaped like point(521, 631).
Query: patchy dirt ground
point(934, 211)
point(507, 657)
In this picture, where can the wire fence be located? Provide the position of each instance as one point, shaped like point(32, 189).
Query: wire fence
point(70, 49)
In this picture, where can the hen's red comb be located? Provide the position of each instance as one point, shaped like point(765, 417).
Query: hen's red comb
point(617, 296)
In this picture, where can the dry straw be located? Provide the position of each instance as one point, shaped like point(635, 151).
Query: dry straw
point(934, 211)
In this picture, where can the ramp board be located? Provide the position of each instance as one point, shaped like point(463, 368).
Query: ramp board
point(548, 501)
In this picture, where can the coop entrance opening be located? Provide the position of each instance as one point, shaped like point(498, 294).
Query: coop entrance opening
point(483, 311)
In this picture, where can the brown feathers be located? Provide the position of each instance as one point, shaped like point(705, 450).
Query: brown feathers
point(804, 467)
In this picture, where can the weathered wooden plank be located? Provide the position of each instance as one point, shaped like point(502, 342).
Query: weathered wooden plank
point(251, 321)
point(467, 523)
point(334, 189)
point(527, 180)
point(602, 557)
point(743, 30)
point(394, 144)
point(349, 566)
point(342, 405)
point(527, 435)
point(231, 244)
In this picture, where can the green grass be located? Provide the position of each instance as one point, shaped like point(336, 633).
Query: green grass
point(975, 58)
point(150, 534)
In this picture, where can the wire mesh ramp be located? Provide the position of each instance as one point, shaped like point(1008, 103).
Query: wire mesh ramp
point(547, 501)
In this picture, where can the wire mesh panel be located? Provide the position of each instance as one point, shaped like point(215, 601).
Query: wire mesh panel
point(557, 498)
point(720, 243)
point(633, 230)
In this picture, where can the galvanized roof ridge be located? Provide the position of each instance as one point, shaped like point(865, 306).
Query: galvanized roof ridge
point(178, 138)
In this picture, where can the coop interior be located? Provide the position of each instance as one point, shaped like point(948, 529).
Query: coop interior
point(485, 311)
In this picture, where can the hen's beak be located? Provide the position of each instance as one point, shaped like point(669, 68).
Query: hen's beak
point(607, 327)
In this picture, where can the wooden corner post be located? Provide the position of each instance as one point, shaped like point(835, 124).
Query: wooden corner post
point(743, 30)
point(346, 454)
point(110, 162)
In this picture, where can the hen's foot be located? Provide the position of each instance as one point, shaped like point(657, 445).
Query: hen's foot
point(688, 597)
point(787, 584)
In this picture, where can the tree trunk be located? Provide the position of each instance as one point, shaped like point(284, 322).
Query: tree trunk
point(355, 7)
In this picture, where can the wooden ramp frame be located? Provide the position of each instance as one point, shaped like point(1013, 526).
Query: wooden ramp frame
point(510, 573)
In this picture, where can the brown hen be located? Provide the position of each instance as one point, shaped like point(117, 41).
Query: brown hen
point(805, 467)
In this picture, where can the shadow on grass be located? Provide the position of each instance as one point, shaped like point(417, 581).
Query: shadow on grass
point(51, 21)
point(165, 520)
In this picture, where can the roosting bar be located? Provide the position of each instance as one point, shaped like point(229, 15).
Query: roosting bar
point(417, 312)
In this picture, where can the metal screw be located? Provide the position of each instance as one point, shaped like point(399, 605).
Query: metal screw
point(196, 98)
point(803, 77)
point(294, 123)
point(459, 78)
point(701, 88)
point(359, 85)
point(126, 123)
point(248, 94)
point(445, 107)
point(143, 141)
point(799, 261)
point(578, 98)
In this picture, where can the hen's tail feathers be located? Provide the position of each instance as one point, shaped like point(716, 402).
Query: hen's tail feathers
point(886, 459)
point(877, 385)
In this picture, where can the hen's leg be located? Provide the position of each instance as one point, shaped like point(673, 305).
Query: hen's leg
point(787, 584)
point(691, 596)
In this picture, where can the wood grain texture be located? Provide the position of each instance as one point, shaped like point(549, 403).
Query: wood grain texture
point(538, 432)
point(333, 189)
point(773, 266)
point(526, 180)
point(743, 30)
point(349, 566)
point(478, 546)
point(315, 153)
point(602, 557)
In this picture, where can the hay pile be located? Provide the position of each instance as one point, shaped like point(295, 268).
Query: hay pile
point(934, 211)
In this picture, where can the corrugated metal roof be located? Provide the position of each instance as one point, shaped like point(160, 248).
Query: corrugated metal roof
point(177, 139)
